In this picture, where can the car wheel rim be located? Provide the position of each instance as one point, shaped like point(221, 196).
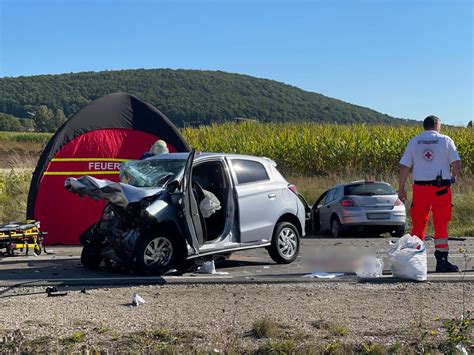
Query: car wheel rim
point(158, 252)
point(287, 242)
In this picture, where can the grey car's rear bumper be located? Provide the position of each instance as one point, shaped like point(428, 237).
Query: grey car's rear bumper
point(362, 218)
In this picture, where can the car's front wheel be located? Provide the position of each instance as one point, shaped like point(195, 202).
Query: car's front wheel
point(285, 243)
point(158, 253)
point(91, 256)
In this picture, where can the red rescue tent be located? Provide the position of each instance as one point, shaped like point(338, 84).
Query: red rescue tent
point(108, 131)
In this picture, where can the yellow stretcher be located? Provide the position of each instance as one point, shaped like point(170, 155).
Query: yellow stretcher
point(24, 237)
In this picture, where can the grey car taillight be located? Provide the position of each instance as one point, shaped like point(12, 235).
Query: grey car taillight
point(347, 202)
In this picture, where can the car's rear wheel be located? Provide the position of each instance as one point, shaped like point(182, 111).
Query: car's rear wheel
point(337, 230)
point(285, 243)
point(157, 254)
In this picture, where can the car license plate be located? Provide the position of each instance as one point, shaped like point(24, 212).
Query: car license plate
point(378, 215)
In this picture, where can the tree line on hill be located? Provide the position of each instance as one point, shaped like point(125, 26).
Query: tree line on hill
point(183, 95)
point(43, 119)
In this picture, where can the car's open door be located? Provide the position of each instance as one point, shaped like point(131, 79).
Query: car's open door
point(316, 214)
point(193, 226)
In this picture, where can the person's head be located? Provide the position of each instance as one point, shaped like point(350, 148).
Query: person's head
point(432, 123)
point(159, 147)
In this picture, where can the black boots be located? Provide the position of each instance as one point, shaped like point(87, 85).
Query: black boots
point(442, 263)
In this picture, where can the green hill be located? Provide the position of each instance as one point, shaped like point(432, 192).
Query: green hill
point(183, 95)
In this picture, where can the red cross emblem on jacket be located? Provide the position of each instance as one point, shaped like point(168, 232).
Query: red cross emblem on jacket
point(428, 154)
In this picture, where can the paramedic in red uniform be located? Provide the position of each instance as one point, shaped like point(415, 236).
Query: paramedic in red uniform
point(436, 164)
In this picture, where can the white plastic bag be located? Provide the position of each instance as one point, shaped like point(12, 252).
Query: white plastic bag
point(408, 258)
point(369, 267)
point(324, 275)
point(210, 204)
point(137, 300)
point(207, 267)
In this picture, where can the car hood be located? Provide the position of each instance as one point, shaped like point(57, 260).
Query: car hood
point(118, 193)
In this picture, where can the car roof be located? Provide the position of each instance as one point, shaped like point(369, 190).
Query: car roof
point(200, 156)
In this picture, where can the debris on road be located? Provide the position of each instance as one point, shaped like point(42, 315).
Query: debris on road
point(370, 267)
point(208, 267)
point(172, 272)
point(52, 291)
point(324, 275)
point(461, 348)
point(137, 300)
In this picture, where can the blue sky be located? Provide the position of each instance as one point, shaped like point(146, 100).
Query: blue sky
point(404, 58)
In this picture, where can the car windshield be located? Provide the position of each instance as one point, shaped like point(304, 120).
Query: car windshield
point(150, 172)
point(368, 189)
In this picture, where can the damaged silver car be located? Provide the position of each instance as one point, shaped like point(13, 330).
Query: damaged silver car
point(171, 208)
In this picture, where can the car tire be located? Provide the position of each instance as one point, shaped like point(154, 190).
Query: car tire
point(285, 237)
point(398, 231)
point(90, 257)
point(158, 253)
point(337, 229)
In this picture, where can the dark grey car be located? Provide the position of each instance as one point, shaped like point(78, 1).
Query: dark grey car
point(153, 220)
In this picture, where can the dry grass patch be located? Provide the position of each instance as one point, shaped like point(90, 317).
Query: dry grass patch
point(266, 328)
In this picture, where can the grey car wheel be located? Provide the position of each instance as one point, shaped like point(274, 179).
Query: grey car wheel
point(336, 228)
point(157, 254)
point(158, 251)
point(285, 243)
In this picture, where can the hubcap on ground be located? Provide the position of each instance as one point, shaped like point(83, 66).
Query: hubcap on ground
point(158, 252)
point(287, 242)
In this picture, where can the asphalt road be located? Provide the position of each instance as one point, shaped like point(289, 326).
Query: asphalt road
point(63, 268)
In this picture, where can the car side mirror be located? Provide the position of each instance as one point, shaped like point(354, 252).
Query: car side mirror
point(172, 186)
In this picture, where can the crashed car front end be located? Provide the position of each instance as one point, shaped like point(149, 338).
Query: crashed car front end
point(130, 212)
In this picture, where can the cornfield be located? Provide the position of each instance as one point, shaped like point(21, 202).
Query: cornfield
point(319, 149)
point(314, 156)
point(300, 149)
point(14, 186)
point(26, 137)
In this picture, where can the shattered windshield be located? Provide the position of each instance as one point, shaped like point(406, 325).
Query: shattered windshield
point(150, 172)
